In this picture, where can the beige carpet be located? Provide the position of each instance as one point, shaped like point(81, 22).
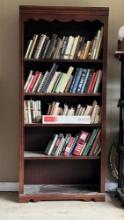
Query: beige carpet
point(10, 209)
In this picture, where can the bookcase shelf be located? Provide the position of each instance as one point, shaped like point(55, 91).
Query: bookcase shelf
point(29, 155)
point(64, 61)
point(75, 52)
point(61, 125)
point(63, 94)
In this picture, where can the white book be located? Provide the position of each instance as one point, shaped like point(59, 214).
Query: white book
point(52, 145)
point(28, 79)
point(94, 112)
point(55, 108)
point(28, 49)
point(69, 47)
point(25, 112)
point(96, 44)
point(70, 112)
point(35, 38)
point(78, 109)
point(29, 112)
point(74, 46)
point(88, 110)
point(39, 46)
point(98, 81)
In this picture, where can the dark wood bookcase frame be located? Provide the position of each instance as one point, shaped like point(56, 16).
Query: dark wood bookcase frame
point(60, 178)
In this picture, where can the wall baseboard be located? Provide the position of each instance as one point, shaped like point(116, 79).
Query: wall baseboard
point(14, 186)
point(9, 186)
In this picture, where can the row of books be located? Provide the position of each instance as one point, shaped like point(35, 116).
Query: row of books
point(83, 144)
point(79, 80)
point(93, 110)
point(32, 111)
point(67, 47)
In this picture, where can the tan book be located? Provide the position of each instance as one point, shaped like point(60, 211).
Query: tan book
point(86, 51)
point(99, 45)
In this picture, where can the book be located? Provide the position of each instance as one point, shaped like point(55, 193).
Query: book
point(81, 143)
point(57, 144)
point(69, 47)
point(34, 41)
point(98, 81)
point(49, 77)
point(64, 80)
point(28, 80)
point(39, 46)
point(97, 139)
point(51, 144)
point(28, 49)
point(61, 119)
point(90, 142)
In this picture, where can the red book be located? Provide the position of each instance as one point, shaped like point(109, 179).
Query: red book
point(33, 81)
point(91, 82)
point(67, 149)
point(81, 143)
point(94, 81)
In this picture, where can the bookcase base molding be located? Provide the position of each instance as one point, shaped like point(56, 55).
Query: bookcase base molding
point(60, 192)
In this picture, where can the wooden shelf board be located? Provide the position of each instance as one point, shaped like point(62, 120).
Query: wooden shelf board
point(61, 192)
point(61, 125)
point(63, 94)
point(31, 155)
point(64, 60)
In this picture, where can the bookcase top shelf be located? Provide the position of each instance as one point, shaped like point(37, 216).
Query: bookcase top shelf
point(51, 13)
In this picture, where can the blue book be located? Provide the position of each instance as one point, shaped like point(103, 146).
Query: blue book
point(77, 80)
point(74, 79)
point(85, 80)
point(81, 80)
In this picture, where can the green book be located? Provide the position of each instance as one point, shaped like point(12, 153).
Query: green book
point(90, 142)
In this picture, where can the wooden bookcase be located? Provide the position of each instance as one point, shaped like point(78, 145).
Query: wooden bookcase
point(58, 177)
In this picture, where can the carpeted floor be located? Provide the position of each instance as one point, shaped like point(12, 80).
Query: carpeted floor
point(10, 209)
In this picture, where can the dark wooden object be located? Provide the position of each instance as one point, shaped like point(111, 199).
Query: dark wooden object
point(120, 191)
point(70, 177)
